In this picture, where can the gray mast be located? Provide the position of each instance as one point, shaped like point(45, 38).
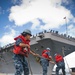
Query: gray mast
point(66, 26)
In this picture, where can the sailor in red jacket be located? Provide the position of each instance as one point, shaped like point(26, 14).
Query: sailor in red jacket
point(21, 51)
point(44, 60)
point(60, 64)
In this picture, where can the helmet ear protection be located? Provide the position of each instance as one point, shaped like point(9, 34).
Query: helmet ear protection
point(24, 33)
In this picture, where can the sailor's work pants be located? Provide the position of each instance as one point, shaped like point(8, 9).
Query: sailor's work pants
point(20, 65)
point(60, 65)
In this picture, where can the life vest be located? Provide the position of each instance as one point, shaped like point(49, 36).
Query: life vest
point(18, 49)
point(44, 54)
point(58, 58)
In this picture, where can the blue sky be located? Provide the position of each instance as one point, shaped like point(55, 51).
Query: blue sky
point(36, 15)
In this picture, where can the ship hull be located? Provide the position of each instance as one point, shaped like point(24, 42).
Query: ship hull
point(6, 61)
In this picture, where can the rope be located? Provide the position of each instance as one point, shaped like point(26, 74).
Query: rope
point(51, 60)
point(41, 56)
point(66, 61)
point(29, 66)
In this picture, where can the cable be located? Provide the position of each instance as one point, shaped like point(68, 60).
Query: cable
point(29, 66)
point(41, 56)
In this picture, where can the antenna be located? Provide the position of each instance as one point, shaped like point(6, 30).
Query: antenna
point(66, 26)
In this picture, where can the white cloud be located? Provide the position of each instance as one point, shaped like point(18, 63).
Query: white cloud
point(74, 20)
point(70, 26)
point(7, 27)
point(16, 1)
point(71, 30)
point(66, 1)
point(49, 11)
point(8, 37)
point(35, 24)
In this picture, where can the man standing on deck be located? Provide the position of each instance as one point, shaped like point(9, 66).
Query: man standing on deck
point(60, 64)
point(21, 51)
point(44, 60)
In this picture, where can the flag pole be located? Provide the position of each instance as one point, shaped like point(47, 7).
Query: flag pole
point(66, 26)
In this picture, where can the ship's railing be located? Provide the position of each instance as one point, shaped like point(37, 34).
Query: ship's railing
point(55, 33)
point(64, 36)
